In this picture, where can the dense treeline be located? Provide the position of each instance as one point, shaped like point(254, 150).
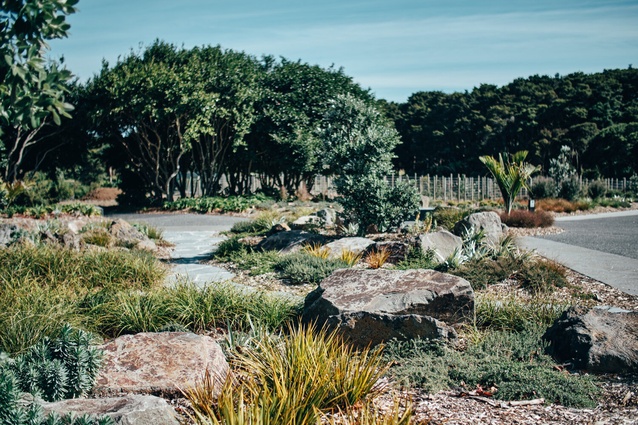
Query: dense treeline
point(595, 115)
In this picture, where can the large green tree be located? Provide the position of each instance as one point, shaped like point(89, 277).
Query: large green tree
point(32, 90)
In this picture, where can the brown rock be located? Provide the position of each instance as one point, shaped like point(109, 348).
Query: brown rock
point(372, 306)
point(159, 363)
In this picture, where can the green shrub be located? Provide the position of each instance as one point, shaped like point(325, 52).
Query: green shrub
point(59, 368)
point(542, 275)
point(513, 363)
point(253, 227)
point(481, 272)
point(211, 204)
point(511, 314)
point(527, 219)
point(544, 188)
point(304, 268)
point(614, 203)
point(446, 218)
point(256, 262)
point(417, 259)
point(569, 189)
point(597, 189)
point(229, 248)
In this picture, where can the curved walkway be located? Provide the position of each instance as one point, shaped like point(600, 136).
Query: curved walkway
point(602, 246)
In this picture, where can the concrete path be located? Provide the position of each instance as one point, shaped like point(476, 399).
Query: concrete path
point(194, 236)
point(602, 246)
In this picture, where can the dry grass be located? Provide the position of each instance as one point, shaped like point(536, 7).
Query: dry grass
point(376, 259)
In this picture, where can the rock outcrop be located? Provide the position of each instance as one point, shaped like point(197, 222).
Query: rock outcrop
point(373, 306)
point(159, 363)
point(127, 410)
point(601, 339)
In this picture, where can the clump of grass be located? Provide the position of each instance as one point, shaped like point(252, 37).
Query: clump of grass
point(481, 272)
point(291, 380)
point(513, 363)
point(562, 205)
point(229, 248)
point(349, 257)
point(317, 250)
point(527, 219)
point(304, 268)
point(511, 314)
point(152, 232)
point(99, 236)
point(417, 259)
point(257, 226)
point(256, 262)
point(542, 275)
point(377, 258)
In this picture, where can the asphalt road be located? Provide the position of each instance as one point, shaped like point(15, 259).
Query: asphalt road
point(612, 234)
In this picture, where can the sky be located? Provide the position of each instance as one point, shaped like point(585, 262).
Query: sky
point(395, 48)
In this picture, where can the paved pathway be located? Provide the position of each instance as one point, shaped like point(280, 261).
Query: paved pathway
point(194, 236)
point(602, 246)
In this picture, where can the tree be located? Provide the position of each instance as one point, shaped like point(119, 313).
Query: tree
point(358, 143)
point(31, 90)
point(511, 174)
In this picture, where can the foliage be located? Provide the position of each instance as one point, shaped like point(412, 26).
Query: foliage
point(542, 275)
point(59, 368)
point(252, 227)
point(32, 90)
point(527, 219)
point(417, 259)
point(256, 262)
point(509, 313)
point(215, 203)
point(358, 143)
point(304, 268)
point(447, 217)
point(378, 257)
point(562, 205)
point(481, 272)
point(349, 257)
point(514, 364)
point(511, 174)
point(570, 189)
point(596, 189)
point(291, 381)
point(544, 188)
point(317, 250)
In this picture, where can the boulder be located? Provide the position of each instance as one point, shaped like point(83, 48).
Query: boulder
point(398, 250)
point(328, 215)
point(8, 234)
point(441, 242)
point(306, 222)
point(354, 244)
point(292, 241)
point(279, 227)
point(159, 363)
point(600, 339)
point(128, 410)
point(489, 222)
point(373, 306)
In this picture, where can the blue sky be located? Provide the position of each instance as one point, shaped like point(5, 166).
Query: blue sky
point(395, 48)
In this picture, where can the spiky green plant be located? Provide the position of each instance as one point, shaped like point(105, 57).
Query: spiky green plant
point(511, 173)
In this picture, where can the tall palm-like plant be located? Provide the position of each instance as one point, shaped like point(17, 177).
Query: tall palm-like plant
point(511, 174)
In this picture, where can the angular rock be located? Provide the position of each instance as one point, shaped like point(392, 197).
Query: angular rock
point(328, 215)
point(146, 245)
point(398, 250)
point(373, 306)
point(128, 410)
point(488, 221)
point(292, 241)
point(161, 363)
point(306, 221)
point(601, 339)
point(126, 233)
point(441, 242)
point(355, 244)
point(279, 227)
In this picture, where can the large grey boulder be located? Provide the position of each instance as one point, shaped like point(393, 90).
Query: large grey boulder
point(488, 222)
point(164, 363)
point(328, 215)
point(306, 222)
point(601, 339)
point(127, 235)
point(292, 241)
point(373, 306)
point(442, 243)
point(127, 410)
point(354, 244)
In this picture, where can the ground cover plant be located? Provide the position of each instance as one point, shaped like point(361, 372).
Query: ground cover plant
point(221, 204)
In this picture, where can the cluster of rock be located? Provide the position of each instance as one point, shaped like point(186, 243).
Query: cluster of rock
point(137, 369)
point(70, 233)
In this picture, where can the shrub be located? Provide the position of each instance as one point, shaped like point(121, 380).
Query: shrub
point(304, 268)
point(216, 203)
point(542, 275)
point(256, 262)
point(484, 271)
point(544, 188)
point(597, 189)
point(527, 219)
point(569, 189)
point(417, 259)
point(513, 363)
point(447, 217)
point(252, 227)
point(561, 205)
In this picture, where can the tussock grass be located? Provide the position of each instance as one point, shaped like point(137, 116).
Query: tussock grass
point(317, 250)
point(291, 380)
point(377, 258)
point(509, 313)
point(304, 268)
